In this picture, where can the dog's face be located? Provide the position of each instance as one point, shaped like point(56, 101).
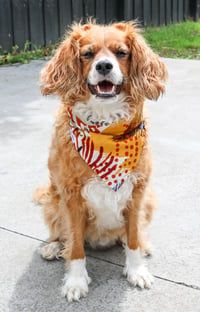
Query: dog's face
point(105, 61)
point(102, 61)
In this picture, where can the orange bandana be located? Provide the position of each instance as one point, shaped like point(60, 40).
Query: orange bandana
point(109, 149)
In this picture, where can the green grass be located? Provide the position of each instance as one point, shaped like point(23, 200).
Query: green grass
point(25, 55)
point(175, 41)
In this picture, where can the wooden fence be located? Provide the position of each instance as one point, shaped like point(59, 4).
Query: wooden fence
point(43, 22)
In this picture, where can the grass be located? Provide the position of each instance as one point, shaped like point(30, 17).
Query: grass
point(176, 40)
point(173, 41)
point(25, 55)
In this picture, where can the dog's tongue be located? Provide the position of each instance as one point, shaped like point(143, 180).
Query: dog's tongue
point(105, 86)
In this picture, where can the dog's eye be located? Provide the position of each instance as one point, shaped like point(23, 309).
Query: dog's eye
point(88, 55)
point(121, 53)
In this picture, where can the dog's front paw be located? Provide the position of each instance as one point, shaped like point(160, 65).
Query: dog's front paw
point(76, 281)
point(139, 276)
point(75, 287)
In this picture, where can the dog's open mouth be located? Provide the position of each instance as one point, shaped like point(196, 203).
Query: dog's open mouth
point(105, 88)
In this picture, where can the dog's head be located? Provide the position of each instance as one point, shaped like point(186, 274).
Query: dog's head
point(102, 61)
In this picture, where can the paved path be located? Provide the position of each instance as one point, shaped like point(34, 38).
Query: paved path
point(30, 284)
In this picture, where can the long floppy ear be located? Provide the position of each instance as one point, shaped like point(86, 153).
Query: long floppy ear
point(62, 74)
point(147, 72)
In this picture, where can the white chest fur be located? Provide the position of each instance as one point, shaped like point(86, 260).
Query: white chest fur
point(107, 204)
point(109, 110)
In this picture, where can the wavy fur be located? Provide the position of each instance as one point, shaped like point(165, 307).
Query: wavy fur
point(71, 210)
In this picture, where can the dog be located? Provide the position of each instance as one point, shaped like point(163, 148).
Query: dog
point(100, 160)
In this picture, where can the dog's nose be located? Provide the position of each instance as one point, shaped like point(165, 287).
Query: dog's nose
point(104, 67)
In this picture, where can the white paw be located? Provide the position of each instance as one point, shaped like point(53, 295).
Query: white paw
point(51, 251)
point(139, 276)
point(76, 281)
point(75, 287)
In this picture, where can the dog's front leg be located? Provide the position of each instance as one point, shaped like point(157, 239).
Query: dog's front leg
point(76, 278)
point(135, 270)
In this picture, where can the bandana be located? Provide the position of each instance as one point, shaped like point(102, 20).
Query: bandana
point(111, 150)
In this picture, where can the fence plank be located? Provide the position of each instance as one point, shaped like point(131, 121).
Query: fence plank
point(168, 14)
point(89, 8)
point(180, 10)
point(101, 11)
point(186, 9)
point(162, 12)
point(65, 8)
point(120, 10)
point(147, 12)
point(198, 10)
point(174, 11)
point(114, 10)
point(128, 10)
point(51, 21)
point(6, 32)
point(77, 10)
point(155, 12)
point(138, 4)
point(110, 11)
point(36, 23)
point(20, 22)
point(197, 15)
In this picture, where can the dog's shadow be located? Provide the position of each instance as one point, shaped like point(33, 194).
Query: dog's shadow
point(39, 288)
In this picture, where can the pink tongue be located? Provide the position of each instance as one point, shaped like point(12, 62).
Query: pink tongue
point(105, 86)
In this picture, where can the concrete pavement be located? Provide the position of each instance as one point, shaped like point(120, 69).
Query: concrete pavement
point(27, 282)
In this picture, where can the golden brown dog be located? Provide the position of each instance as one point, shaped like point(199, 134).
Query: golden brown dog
point(100, 162)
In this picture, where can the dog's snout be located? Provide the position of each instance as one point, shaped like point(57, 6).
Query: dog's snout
point(104, 67)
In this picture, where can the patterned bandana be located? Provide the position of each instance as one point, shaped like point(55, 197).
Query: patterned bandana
point(111, 150)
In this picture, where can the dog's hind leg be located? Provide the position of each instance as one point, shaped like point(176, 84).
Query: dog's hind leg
point(150, 205)
point(48, 197)
point(51, 251)
point(40, 194)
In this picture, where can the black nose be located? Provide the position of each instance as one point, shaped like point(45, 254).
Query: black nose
point(104, 67)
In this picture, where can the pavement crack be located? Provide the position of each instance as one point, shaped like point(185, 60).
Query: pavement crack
point(178, 283)
point(22, 234)
point(195, 287)
point(105, 260)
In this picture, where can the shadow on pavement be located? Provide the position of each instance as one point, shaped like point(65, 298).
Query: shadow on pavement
point(39, 288)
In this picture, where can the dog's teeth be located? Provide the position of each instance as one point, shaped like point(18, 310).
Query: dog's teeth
point(98, 89)
point(111, 92)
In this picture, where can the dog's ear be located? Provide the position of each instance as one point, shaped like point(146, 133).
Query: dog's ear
point(147, 73)
point(62, 74)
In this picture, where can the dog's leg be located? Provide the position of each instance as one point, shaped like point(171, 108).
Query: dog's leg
point(150, 205)
point(76, 279)
point(48, 197)
point(135, 270)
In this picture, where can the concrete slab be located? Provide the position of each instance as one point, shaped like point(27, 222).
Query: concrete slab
point(25, 130)
point(176, 149)
point(30, 284)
